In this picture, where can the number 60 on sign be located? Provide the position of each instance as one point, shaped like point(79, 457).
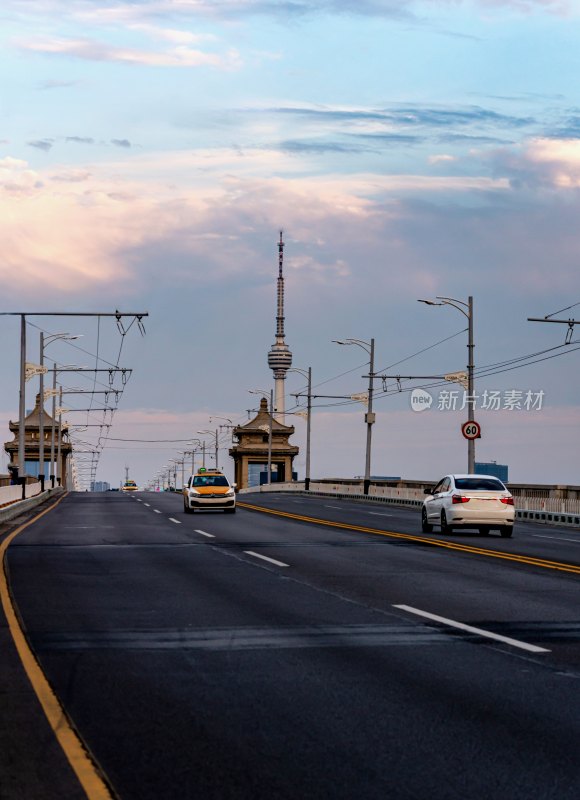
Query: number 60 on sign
point(471, 430)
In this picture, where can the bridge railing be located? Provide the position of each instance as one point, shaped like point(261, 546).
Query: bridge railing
point(537, 508)
point(11, 494)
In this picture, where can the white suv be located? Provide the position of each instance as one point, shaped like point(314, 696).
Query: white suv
point(469, 501)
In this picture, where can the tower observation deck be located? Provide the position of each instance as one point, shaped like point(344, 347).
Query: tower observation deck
point(279, 356)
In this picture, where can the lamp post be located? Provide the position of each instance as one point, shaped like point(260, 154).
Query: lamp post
point(191, 453)
point(44, 342)
point(307, 374)
point(213, 433)
point(369, 347)
point(467, 310)
point(265, 394)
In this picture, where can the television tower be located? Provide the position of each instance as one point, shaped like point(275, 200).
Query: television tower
point(279, 356)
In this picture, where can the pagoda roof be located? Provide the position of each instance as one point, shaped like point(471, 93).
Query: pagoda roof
point(262, 421)
point(32, 420)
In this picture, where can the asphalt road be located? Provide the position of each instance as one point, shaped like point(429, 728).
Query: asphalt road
point(264, 656)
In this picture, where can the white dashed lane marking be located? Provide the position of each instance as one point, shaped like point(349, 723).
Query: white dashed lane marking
point(265, 558)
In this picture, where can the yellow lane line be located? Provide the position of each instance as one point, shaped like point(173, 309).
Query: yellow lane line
point(529, 560)
point(74, 750)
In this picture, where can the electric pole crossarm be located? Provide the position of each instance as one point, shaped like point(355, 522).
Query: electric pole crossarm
point(557, 321)
point(569, 322)
point(406, 377)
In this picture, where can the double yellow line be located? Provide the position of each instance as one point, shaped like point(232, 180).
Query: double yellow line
point(76, 753)
point(464, 548)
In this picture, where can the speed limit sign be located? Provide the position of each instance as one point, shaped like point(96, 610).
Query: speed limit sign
point(471, 429)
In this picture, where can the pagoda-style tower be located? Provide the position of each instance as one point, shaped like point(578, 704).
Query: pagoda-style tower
point(32, 443)
point(280, 357)
point(251, 451)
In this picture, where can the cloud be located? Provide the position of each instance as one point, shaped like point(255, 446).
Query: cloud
point(539, 164)
point(80, 139)
point(41, 144)
point(121, 143)
point(52, 84)
point(91, 50)
point(180, 37)
point(302, 146)
point(409, 116)
point(438, 159)
point(71, 176)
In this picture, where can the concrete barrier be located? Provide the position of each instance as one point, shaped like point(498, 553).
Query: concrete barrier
point(21, 506)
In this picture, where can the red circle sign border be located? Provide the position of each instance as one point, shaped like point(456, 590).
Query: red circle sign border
point(471, 422)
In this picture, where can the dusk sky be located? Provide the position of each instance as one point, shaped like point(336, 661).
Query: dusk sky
point(150, 153)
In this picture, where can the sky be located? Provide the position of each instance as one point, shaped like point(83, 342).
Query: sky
point(151, 151)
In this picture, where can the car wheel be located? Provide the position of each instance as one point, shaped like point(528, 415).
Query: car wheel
point(445, 527)
point(483, 531)
point(506, 531)
point(425, 526)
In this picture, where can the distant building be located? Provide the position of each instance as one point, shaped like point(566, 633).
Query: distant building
point(100, 486)
point(492, 468)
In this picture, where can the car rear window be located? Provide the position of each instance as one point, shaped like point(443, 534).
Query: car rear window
point(480, 484)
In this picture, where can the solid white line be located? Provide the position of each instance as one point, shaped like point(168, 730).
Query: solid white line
point(561, 538)
point(378, 514)
point(338, 507)
point(177, 522)
point(157, 511)
point(148, 505)
point(203, 533)
point(531, 648)
point(271, 560)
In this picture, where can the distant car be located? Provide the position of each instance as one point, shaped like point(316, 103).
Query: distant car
point(129, 486)
point(209, 488)
point(469, 501)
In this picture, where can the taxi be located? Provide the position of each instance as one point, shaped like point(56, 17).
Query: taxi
point(129, 486)
point(209, 488)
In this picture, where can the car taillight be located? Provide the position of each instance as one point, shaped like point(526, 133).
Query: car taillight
point(508, 501)
point(459, 498)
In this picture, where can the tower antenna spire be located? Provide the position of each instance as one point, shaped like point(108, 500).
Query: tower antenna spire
point(280, 357)
point(280, 312)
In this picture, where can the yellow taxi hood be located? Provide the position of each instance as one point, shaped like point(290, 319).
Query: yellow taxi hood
point(212, 489)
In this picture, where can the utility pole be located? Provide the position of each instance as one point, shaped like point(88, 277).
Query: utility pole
point(308, 375)
point(369, 347)
point(58, 457)
point(467, 310)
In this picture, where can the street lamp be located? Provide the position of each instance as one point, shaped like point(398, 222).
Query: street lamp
point(44, 342)
point(369, 347)
point(176, 462)
point(213, 433)
point(192, 453)
point(467, 310)
point(307, 374)
point(265, 394)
